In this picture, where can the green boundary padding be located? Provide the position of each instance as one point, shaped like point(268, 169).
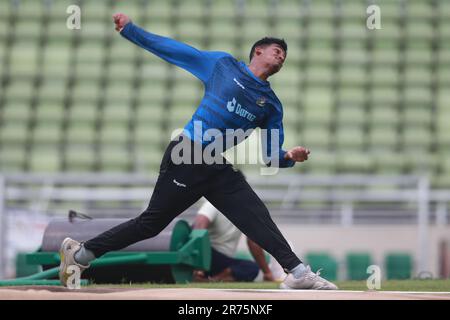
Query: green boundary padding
point(357, 263)
point(398, 265)
point(23, 269)
point(323, 261)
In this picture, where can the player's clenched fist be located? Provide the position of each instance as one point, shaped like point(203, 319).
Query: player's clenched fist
point(120, 20)
point(298, 154)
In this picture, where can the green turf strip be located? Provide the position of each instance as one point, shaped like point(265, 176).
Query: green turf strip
point(391, 285)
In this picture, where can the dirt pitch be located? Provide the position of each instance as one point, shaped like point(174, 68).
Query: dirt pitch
point(59, 293)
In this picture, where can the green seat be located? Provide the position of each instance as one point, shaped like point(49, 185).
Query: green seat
point(90, 53)
point(443, 133)
point(153, 90)
point(325, 262)
point(96, 8)
point(117, 93)
point(49, 113)
point(16, 112)
point(316, 136)
point(88, 91)
point(55, 32)
point(56, 62)
point(24, 269)
point(349, 116)
point(121, 71)
point(12, 158)
point(83, 133)
point(23, 63)
point(82, 113)
point(190, 31)
point(357, 263)
point(115, 158)
point(80, 158)
point(163, 10)
point(398, 265)
point(383, 113)
point(19, 90)
point(119, 113)
point(44, 158)
point(415, 137)
point(355, 162)
point(112, 134)
point(325, 162)
point(91, 69)
point(389, 162)
point(147, 135)
point(13, 133)
point(148, 158)
point(383, 137)
point(348, 138)
point(46, 133)
point(223, 9)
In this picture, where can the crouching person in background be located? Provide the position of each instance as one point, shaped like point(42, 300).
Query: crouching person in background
point(225, 237)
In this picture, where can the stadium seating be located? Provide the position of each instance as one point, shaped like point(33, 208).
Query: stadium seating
point(362, 100)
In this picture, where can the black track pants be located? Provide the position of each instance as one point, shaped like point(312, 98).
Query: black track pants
point(178, 187)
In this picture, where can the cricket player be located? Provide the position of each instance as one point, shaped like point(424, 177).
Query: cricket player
point(237, 97)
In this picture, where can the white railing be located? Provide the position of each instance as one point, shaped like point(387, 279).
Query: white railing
point(286, 192)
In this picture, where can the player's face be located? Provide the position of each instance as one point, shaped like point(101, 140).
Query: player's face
point(274, 56)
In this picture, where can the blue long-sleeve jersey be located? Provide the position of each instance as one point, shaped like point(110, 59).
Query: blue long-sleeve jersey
point(234, 97)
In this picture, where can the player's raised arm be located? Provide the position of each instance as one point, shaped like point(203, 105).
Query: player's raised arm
point(199, 63)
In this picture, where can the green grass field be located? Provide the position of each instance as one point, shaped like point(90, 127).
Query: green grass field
point(391, 285)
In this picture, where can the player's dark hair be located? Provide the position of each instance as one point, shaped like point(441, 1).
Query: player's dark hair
point(266, 42)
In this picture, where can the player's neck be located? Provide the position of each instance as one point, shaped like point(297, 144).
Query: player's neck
point(259, 70)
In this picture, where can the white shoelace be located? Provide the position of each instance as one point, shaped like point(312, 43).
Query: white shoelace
point(313, 276)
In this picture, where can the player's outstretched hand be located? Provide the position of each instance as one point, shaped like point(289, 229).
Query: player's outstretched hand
point(298, 154)
point(120, 19)
point(268, 276)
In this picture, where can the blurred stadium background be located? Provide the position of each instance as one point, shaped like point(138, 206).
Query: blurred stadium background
point(85, 117)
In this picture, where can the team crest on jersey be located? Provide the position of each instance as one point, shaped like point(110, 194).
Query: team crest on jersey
point(261, 101)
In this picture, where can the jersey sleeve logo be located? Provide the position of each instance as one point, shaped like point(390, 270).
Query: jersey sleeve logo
point(261, 101)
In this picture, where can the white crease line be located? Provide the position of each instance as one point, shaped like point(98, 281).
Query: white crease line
point(334, 291)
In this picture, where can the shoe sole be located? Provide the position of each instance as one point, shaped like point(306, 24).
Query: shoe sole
point(286, 287)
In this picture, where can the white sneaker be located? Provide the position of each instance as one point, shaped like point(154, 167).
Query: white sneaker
point(67, 255)
point(309, 280)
